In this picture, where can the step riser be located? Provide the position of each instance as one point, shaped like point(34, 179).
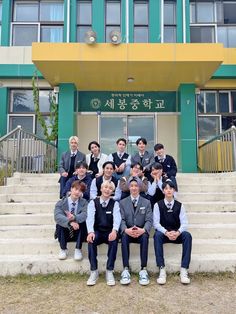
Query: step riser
point(207, 188)
point(206, 197)
point(29, 189)
point(54, 197)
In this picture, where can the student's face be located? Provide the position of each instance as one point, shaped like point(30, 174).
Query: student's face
point(81, 171)
point(73, 145)
point(121, 146)
point(94, 149)
point(134, 188)
point(141, 146)
point(106, 190)
point(160, 152)
point(168, 191)
point(108, 170)
point(75, 193)
point(155, 172)
point(136, 171)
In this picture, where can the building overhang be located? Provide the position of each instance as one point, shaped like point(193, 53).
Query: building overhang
point(107, 67)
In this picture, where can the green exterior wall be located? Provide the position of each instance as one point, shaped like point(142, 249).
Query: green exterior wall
point(73, 20)
point(187, 128)
point(187, 20)
point(179, 21)
point(9, 71)
point(98, 19)
point(6, 22)
point(66, 116)
point(154, 22)
point(3, 110)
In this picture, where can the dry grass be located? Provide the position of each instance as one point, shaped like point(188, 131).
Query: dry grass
point(208, 293)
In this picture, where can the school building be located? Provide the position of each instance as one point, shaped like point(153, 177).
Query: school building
point(163, 70)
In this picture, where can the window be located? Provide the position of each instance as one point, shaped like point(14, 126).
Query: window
point(141, 19)
point(0, 21)
point(208, 127)
point(169, 21)
point(213, 21)
point(22, 112)
point(84, 19)
point(37, 21)
point(112, 18)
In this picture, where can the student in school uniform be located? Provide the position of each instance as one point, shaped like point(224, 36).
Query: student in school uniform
point(121, 159)
point(108, 170)
point(103, 223)
point(136, 223)
point(154, 192)
point(96, 159)
point(68, 161)
point(69, 214)
point(170, 223)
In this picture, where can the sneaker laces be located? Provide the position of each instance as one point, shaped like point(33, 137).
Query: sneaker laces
point(125, 274)
point(110, 276)
point(143, 275)
point(184, 272)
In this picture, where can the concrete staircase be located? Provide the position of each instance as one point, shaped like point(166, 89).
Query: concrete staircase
point(27, 227)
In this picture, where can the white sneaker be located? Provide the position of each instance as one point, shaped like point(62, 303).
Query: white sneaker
point(143, 278)
point(92, 278)
point(62, 254)
point(161, 280)
point(110, 278)
point(78, 255)
point(125, 277)
point(184, 278)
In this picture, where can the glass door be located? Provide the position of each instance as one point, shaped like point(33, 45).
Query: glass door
point(131, 127)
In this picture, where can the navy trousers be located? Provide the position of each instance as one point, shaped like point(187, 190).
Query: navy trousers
point(64, 237)
point(102, 237)
point(125, 244)
point(184, 238)
point(62, 182)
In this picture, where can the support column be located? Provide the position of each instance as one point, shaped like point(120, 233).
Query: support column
point(155, 25)
point(67, 117)
point(98, 18)
point(179, 17)
point(187, 128)
point(6, 21)
point(3, 110)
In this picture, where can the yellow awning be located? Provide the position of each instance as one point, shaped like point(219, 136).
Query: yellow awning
point(107, 67)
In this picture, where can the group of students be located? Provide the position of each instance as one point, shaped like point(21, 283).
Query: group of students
point(105, 199)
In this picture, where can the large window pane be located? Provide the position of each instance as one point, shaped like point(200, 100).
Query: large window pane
point(193, 12)
point(230, 13)
point(24, 35)
point(44, 103)
point(84, 12)
point(52, 11)
point(210, 102)
point(108, 30)
point(53, 34)
point(208, 127)
point(26, 12)
point(81, 30)
point(203, 34)
point(227, 122)
point(39, 129)
point(169, 13)
point(233, 101)
point(24, 121)
point(205, 12)
point(169, 34)
point(200, 102)
point(223, 102)
point(227, 36)
point(113, 13)
point(232, 36)
point(22, 101)
point(140, 34)
point(140, 13)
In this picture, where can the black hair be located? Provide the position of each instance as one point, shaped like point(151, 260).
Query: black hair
point(121, 140)
point(93, 142)
point(80, 164)
point(108, 163)
point(137, 164)
point(168, 182)
point(157, 166)
point(158, 146)
point(141, 139)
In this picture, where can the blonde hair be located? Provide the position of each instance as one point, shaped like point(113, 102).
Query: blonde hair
point(75, 138)
point(108, 183)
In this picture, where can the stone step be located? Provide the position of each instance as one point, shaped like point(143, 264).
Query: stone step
point(27, 208)
point(48, 218)
point(19, 189)
point(44, 246)
point(210, 206)
point(11, 265)
point(207, 197)
point(27, 197)
point(203, 188)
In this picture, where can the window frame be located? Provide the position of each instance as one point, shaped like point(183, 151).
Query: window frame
point(168, 25)
point(78, 24)
point(21, 115)
point(116, 27)
point(146, 26)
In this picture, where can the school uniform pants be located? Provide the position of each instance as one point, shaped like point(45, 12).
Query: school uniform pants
point(63, 235)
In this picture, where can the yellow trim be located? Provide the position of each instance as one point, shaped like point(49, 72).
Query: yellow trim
point(230, 56)
point(221, 84)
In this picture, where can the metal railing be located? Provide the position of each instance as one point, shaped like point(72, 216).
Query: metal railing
point(22, 151)
point(219, 153)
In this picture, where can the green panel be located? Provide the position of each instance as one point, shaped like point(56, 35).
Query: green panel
point(154, 21)
point(3, 110)
point(98, 18)
point(187, 128)
point(127, 101)
point(187, 20)
point(123, 20)
point(179, 20)
point(66, 119)
point(131, 21)
point(73, 20)
point(6, 22)
point(225, 71)
point(18, 71)
point(65, 21)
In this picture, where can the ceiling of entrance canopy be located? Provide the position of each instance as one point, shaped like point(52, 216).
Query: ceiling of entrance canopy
point(127, 67)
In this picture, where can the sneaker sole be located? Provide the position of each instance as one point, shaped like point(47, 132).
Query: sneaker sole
point(125, 283)
point(111, 283)
point(144, 283)
point(78, 259)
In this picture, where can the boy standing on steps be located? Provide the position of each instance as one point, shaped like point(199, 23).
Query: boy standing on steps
point(170, 223)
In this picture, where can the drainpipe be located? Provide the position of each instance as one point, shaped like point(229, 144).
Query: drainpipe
point(68, 22)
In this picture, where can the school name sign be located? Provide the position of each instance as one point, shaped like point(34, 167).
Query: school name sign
point(128, 102)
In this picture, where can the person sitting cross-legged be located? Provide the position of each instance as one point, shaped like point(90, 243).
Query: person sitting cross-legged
point(103, 223)
point(136, 214)
point(170, 223)
point(69, 214)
